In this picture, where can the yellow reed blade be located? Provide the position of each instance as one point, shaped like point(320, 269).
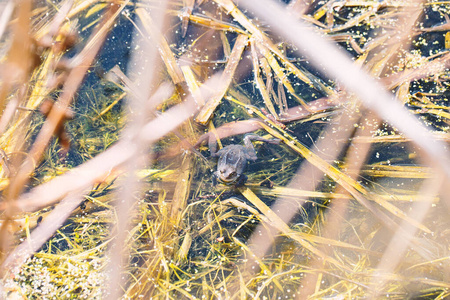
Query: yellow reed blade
point(214, 24)
point(351, 185)
point(263, 267)
point(193, 85)
point(163, 47)
point(353, 22)
point(280, 74)
point(305, 236)
point(183, 251)
point(276, 222)
point(260, 83)
point(206, 112)
point(398, 171)
point(265, 42)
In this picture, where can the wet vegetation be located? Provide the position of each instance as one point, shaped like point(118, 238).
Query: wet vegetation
point(108, 112)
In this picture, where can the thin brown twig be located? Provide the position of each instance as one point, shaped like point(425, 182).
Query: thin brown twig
point(83, 62)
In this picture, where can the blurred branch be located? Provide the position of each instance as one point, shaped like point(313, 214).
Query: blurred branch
point(82, 63)
point(6, 16)
point(141, 106)
point(43, 232)
point(338, 65)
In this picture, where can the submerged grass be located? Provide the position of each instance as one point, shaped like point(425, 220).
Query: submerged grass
point(345, 207)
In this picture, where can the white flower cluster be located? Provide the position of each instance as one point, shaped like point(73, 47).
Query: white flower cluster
point(59, 277)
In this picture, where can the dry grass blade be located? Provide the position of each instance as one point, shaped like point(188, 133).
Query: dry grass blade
point(166, 54)
point(305, 179)
point(280, 74)
point(208, 22)
point(432, 67)
point(48, 32)
point(260, 83)
point(56, 115)
point(43, 232)
point(186, 13)
point(83, 5)
point(266, 44)
point(103, 164)
point(182, 190)
point(352, 186)
point(398, 171)
point(352, 22)
point(205, 113)
point(356, 156)
point(275, 221)
point(372, 95)
point(193, 85)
